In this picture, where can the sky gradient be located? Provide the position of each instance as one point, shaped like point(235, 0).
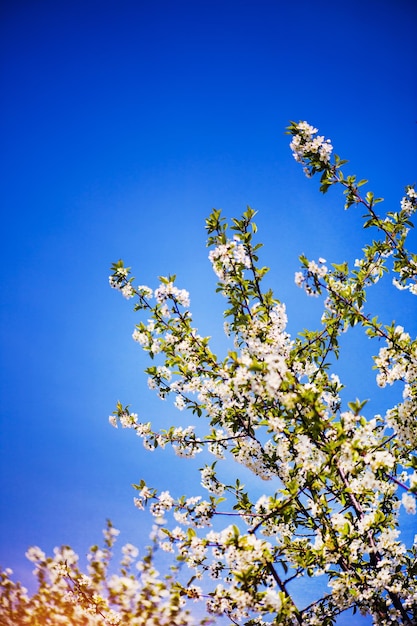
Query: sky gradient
point(123, 124)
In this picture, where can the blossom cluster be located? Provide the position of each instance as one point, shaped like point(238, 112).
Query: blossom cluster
point(409, 201)
point(310, 149)
point(228, 256)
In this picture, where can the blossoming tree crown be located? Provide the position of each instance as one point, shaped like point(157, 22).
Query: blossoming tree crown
point(333, 478)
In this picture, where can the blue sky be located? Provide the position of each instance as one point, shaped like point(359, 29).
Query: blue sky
point(123, 124)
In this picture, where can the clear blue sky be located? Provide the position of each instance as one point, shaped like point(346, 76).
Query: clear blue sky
point(123, 123)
